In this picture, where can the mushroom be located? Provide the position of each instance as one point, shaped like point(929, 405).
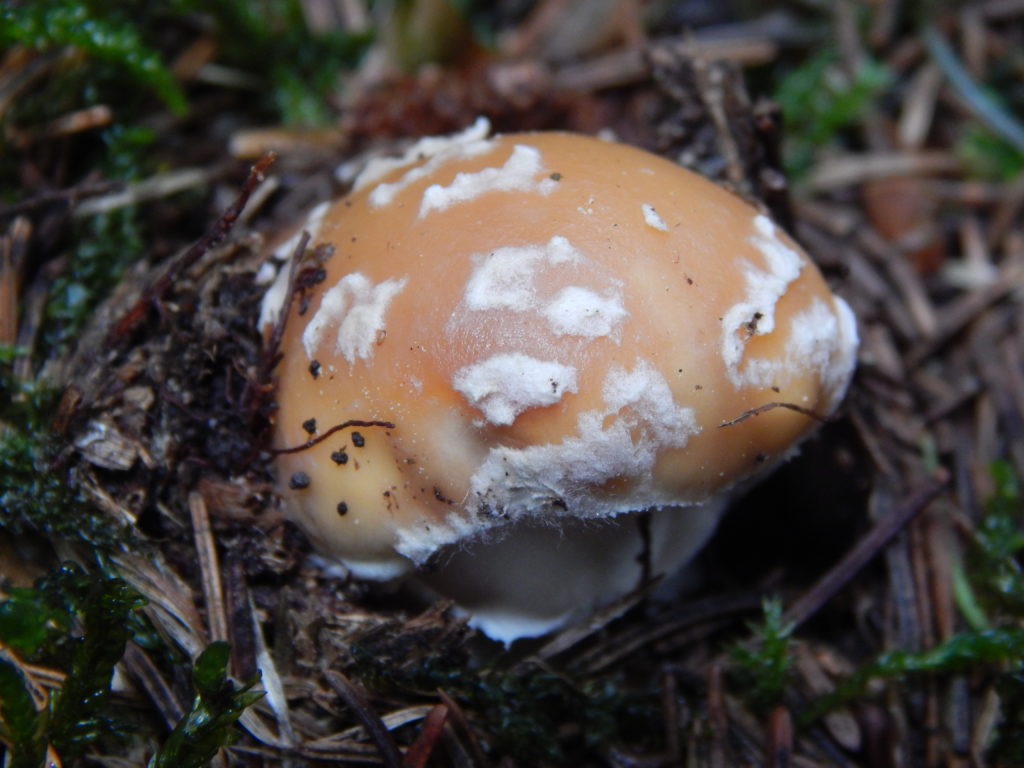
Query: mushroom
point(564, 355)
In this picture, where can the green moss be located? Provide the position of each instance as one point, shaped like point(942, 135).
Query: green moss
point(819, 100)
point(992, 588)
point(22, 727)
point(105, 31)
point(114, 63)
point(993, 569)
point(998, 149)
point(210, 722)
point(962, 652)
point(36, 496)
point(271, 41)
point(532, 716)
point(80, 623)
point(995, 578)
point(988, 156)
point(105, 245)
point(77, 623)
point(118, 60)
point(762, 668)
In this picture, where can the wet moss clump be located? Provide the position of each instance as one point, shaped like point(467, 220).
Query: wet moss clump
point(39, 494)
point(530, 713)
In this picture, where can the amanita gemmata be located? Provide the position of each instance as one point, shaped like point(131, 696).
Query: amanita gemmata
point(551, 343)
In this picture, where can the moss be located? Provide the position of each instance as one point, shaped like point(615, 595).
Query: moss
point(819, 100)
point(962, 652)
point(105, 246)
point(80, 623)
point(271, 41)
point(993, 569)
point(994, 581)
point(210, 722)
point(77, 623)
point(994, 577)
point(762, 668)
point(104, 31)
point(988, 156)
point(37, 496)
point(113, 52)
point(532, 715)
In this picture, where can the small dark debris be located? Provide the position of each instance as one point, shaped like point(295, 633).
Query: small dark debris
point(309, 277)
point(342, 508)
point(752, 323)
point(339, 457)
point(314, 368)
point(310, 426)
point(298, 481)
point(358, 440)
point(556, 176)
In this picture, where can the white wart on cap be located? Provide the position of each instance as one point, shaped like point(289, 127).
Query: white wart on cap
point(557, 327)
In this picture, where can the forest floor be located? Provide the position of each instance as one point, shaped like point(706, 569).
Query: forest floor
point(862, 607)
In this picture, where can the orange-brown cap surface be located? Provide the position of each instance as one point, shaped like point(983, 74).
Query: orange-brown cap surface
point(557, 327)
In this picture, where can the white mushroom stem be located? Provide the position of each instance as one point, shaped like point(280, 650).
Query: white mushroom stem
point(527, 579)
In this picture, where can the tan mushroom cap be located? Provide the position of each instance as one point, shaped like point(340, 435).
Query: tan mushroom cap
point(557, 326)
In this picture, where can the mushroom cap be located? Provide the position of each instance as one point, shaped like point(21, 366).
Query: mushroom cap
point(557, 327)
